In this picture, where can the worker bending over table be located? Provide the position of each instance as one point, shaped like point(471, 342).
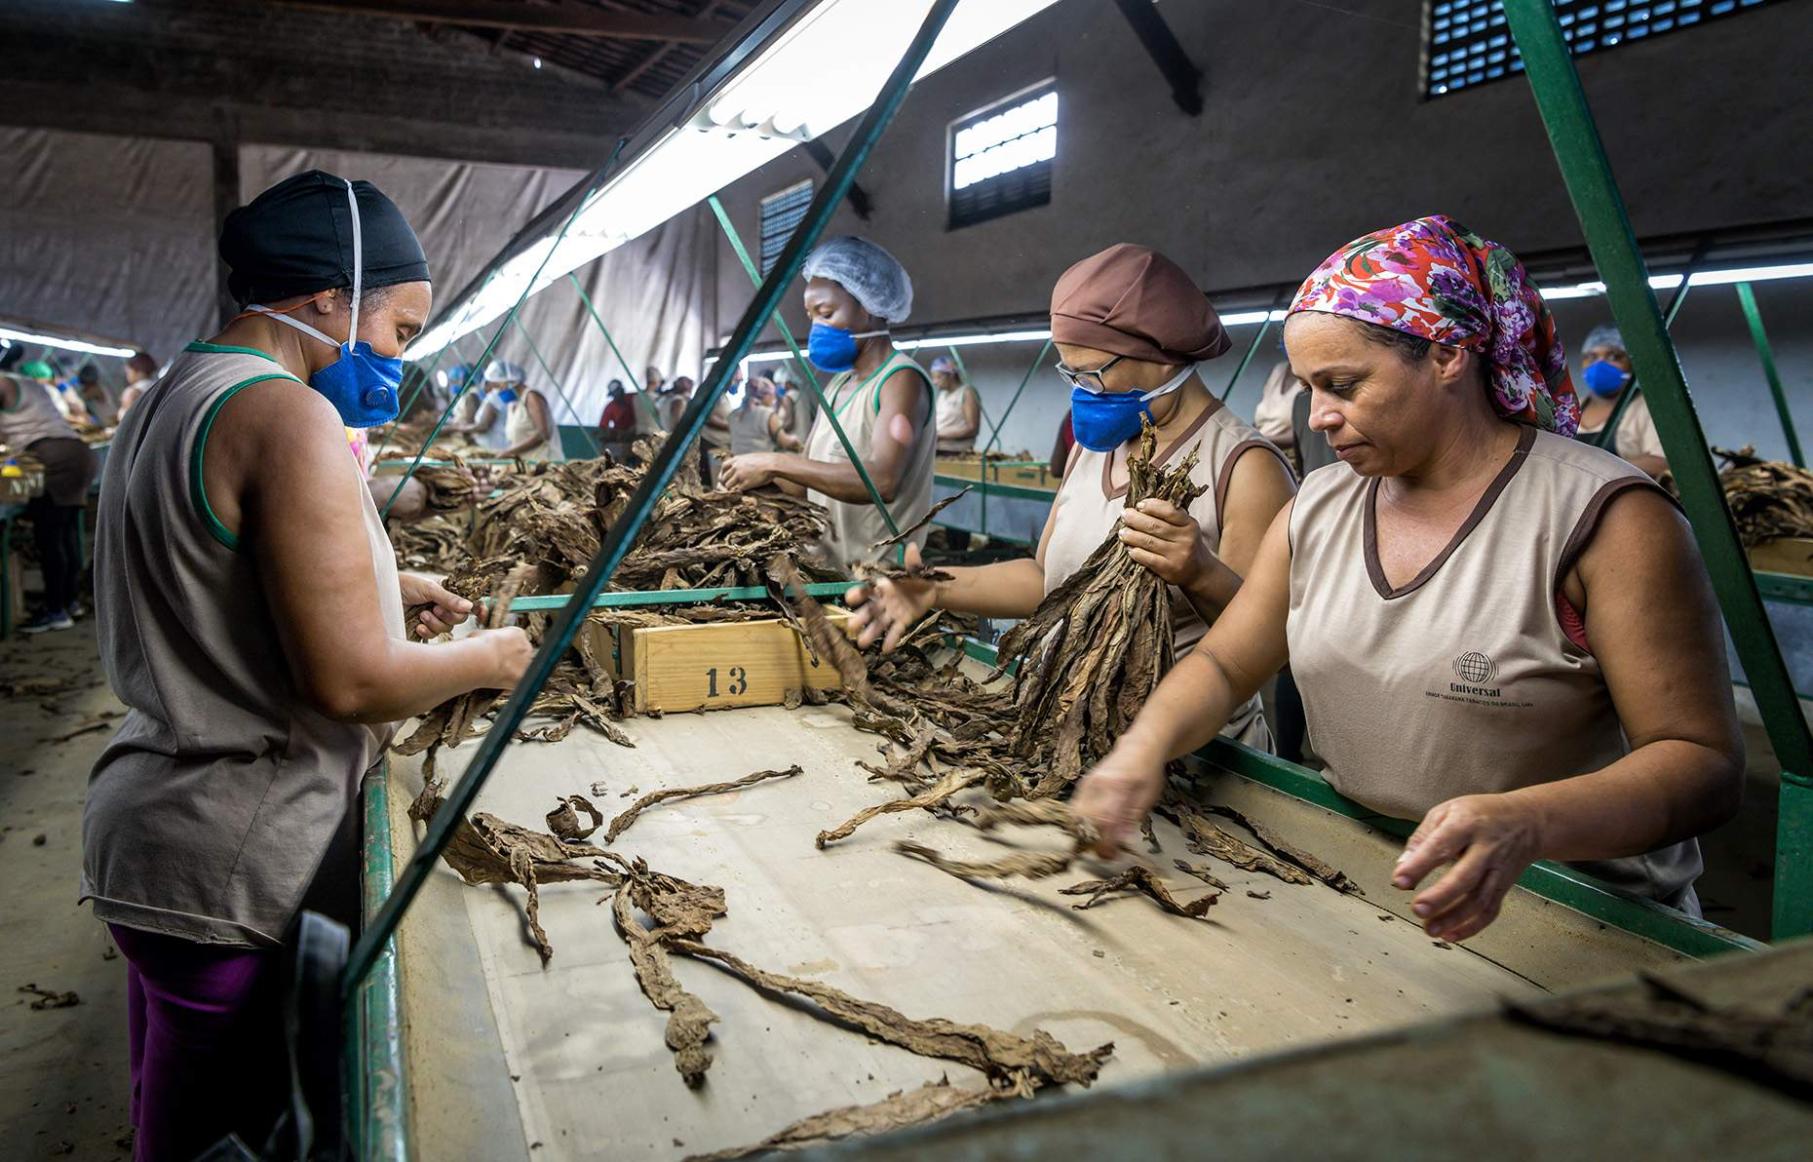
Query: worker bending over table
point(252, 619)
point(1497, 630)
point(1130, 328)
point(854, 291)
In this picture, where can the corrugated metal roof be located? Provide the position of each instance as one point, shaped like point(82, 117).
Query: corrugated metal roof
point(645, 67)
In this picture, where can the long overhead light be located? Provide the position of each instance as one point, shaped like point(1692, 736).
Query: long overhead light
point(12, 336)
point(805, 81)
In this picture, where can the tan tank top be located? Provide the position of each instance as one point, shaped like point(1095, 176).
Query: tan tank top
point(857, 404)
point(1462, 681)
point(33, 416)
point(1088, 508)
point(749, 429)
point(519, 425)
point(209, 812)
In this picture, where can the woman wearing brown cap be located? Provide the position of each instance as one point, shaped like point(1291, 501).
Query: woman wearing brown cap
point(1130, 327)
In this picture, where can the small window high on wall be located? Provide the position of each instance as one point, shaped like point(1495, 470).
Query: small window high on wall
point(1467, 43)
point(1000, 157)
point(781, 215)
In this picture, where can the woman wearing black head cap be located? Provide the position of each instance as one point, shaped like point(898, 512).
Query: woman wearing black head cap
point(252, 618)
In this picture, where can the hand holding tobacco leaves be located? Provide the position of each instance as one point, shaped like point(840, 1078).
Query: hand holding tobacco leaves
point(1166, 539)
point(887, 607)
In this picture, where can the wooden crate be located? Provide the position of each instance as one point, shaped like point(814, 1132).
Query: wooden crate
point(1792, 555)
point(741, 663)
point(963, 466)
point(1023, 475)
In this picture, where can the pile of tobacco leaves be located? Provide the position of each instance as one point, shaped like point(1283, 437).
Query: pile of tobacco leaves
point(537, 533)
point(1768, 499)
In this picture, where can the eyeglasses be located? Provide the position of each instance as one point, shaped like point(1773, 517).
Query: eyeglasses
point(1089, 379)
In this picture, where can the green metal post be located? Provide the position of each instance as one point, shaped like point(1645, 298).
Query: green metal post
point(1766, 355)
point(1608, 434)
point(1613, 244)
point(377, 1091)
point(641, 504)
point(755, 276)
point(509, 317)
point(605, 331)
point(1265, 326)
point(559, 390)
point(994, 435)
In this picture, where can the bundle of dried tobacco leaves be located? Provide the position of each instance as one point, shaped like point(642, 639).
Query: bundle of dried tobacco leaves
point(1768, 499)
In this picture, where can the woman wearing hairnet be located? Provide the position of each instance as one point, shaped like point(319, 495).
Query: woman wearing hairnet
point(1605, 371)
point(881, 398)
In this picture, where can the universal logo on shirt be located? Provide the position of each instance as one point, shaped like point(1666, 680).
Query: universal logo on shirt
point(1475, 671)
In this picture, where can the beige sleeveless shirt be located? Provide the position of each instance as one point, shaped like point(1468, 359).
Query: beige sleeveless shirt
point(519, 425)
point(209, 812)
point(33, 416)
point(857, 405)
point(1462, 681)
point(1087, 509)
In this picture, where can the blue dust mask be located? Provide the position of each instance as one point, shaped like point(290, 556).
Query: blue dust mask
point(1605, 379)
point(506, 395)
point(1103, 421)
point(833, 349)
point(361, 384)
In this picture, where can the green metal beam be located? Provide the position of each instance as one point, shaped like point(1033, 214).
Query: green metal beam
point(1747, 297)
point(631, 599)
point(994, 436)
point(963, 370)
point(378, 1090)
point(824, 407)
point(420, 385)
point(1613, 244)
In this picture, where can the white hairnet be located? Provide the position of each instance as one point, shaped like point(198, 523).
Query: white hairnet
point(873, 276)
point(1604, 335)
point(500, 371)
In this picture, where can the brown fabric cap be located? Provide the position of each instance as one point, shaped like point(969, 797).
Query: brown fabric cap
point(1133, 301)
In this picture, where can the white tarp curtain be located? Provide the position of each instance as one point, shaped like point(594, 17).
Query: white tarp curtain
point(110, 235)
point(650, 293)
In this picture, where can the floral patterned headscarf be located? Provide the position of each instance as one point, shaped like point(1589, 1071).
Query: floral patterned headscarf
point(1436, 279)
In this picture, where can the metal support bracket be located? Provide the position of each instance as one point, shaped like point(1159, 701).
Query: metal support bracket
point(1180, 72)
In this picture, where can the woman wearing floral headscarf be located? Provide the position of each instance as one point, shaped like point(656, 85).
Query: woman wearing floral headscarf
point(1497, 630)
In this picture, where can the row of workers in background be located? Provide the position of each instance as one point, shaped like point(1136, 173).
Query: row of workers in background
point(83, 398)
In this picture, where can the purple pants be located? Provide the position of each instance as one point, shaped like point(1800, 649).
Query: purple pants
point(206, 1030)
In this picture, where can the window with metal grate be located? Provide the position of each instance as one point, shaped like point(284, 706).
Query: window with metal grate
point(1000, 157)
point(1466, 42)
point(781, 215)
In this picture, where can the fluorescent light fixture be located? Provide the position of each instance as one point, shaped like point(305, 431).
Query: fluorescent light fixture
point(1248, 318)
point(13, 336)
point(803, 82)
point(973, 340)
point(1587, 290)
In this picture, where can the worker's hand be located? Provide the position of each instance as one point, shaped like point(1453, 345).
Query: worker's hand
point(888, 609)
point(1117, 794)
point(1489, 840)
point(1166, 540)
point(443, 610)
point(750, 470)
point(511, 653)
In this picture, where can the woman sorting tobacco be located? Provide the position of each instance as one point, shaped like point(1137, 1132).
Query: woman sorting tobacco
point(252, 619)
point(1130, 328)
point(882, 399)
point(1496, 630)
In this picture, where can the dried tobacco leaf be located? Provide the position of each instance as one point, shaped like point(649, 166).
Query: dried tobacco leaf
point(621, 823)
point(1335, 879)
point(1141, 880)
point(1203, 837)
point(933, 796)
point(680, 909)
point(563, 820)
point(930, 1102)
point(906, 534)
point(1768, 499)
point(487, 850)
point(1201, 872)
point(996, 1053)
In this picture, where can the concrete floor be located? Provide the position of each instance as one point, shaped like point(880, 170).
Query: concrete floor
point(63, 1080)
point(63, 1076)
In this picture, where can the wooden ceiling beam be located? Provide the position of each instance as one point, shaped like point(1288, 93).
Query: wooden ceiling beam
point(566, 19)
